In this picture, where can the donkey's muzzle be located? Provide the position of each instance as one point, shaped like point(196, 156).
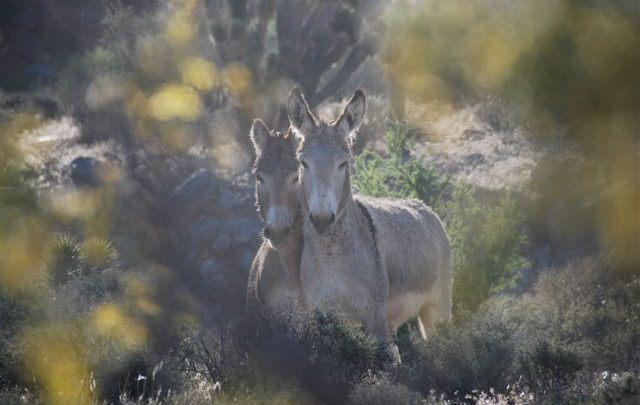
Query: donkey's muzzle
point(322, 222)
point(276, 235)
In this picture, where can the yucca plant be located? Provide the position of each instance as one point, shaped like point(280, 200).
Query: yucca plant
point(63, 260)
point(99, 254)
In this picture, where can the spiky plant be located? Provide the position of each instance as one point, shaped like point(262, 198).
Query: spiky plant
point(63, 260)
point(99, 254)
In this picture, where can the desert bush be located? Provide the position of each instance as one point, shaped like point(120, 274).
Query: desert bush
point(624, 391)
point(382, 391)
point(14, 313)
point(488, 240)
point(18, 396)
point(461, 359)
point(545, 343)
point(579, 320)
point(548, 368)
point(314, 350)
point(588, 307)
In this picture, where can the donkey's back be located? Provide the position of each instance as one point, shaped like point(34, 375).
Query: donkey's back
point(415, 249)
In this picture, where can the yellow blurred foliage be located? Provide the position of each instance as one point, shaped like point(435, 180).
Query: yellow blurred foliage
point(137, 106)
point(91, 208)
point(570, 68)
point(198, 73)
point(22, 249)
point(56, 358)
point(185, 320)
point(601, 37)
point(181, 25)
point(175, 101)
point(112, 322)
point(98, 252)
point(237, 79)
point(76, 204)
point(619, 214)
point(141, 294)
point(176, 136)
point(154, 57)
point(491, 55)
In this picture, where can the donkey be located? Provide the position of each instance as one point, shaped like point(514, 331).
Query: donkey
point(379, 261)
point(274, 279)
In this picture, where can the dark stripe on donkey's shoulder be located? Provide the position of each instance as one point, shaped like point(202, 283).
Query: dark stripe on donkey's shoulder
point(372, 228)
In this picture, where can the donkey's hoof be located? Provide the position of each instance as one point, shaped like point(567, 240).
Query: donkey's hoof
point(390, 356)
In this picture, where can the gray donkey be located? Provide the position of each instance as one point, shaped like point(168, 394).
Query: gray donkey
point(378, 261)
point(274, 279)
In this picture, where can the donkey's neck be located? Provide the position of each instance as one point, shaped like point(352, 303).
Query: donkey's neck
point(291, 252)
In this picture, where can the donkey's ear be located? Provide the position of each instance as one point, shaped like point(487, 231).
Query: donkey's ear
point(353, 115)
point(301, 119)
point(259, 135)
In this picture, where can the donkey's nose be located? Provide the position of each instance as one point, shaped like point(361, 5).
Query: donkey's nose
point(276, 234)
point(322, 221)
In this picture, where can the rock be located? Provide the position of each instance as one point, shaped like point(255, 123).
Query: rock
point(216, 279)
point(241, 230)
point(246, 259)
point(472, 134)
point(222, 244)
point(85, 172)
point(192, 196)
point(210, 267)
point(474, 159)
point(227, 201)
point(204, 230)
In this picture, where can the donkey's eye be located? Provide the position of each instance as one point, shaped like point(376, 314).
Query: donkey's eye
point(294, 180)
point(342, 165)
point(304, 164)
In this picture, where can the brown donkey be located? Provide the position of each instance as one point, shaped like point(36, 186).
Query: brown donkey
point(275, 272)
point(378, 261)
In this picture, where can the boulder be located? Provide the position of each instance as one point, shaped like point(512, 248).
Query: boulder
point(192, 196)
point(241, 230)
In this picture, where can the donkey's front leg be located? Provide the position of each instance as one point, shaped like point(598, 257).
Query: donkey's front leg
point(379, 327)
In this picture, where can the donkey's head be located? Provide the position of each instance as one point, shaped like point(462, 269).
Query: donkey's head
point(276, 171)
point(325, 157)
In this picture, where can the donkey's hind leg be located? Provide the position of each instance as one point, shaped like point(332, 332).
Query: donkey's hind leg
point(431, 313)
point(425, 321)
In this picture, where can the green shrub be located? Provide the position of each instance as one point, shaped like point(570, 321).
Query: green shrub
point(487, 237)
point(488, 245)
point(398, 174)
